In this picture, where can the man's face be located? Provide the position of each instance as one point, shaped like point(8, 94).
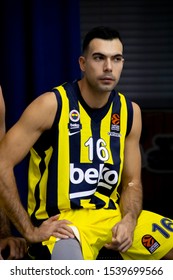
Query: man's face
point(102, 64)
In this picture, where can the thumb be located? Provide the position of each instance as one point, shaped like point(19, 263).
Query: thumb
point(54, 218)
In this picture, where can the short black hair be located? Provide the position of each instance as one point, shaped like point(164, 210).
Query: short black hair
point(100, 32)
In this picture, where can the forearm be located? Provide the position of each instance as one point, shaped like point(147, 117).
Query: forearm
point(131, 201)
point(12, 205)
point(4, 224)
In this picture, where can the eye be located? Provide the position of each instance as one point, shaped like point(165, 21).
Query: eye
point(98, 57)
point(118, 58)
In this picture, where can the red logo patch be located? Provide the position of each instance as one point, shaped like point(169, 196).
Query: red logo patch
point(150, 243)
point(115, 119)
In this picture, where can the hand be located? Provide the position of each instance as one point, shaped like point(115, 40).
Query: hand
point(12, 248)
point(52, 227)
point(122, 236)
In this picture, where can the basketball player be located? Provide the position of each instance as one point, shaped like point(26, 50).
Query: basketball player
point(10, 247)
point(85, 188)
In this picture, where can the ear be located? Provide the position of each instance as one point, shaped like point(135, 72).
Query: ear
point(82, 63)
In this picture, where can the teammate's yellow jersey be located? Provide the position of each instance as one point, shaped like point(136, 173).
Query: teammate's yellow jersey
point(78, 162)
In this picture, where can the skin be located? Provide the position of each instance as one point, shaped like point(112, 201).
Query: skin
point(101, 74)
point(101, 65)
point(17, 246)
point(2, 115)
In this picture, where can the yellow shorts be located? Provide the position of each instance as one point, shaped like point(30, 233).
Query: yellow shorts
point(153, 235)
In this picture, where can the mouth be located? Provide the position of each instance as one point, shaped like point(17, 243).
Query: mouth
point(107, 79)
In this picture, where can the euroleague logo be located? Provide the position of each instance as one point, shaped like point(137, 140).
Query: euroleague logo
point(115, 119)
point(150, 243)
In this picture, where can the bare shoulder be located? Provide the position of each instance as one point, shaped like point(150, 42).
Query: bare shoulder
point(136, 108)
point(136, 113)
point(46, 100)
point(41, 111)
point(137, 120)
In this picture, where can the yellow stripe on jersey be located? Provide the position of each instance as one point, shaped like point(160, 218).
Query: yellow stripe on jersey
point(104, 198)
point(86, 203)
point(63, 165)
point(61, 192)
point(34, 177)
point(123, 129)
point(85, 135)
point(105, 128)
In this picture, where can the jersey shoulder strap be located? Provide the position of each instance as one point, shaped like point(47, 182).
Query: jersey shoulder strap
point(129, 113)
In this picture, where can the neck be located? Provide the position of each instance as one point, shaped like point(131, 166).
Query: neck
point(94, 99)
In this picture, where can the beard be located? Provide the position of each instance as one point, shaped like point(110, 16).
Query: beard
point(102, 84)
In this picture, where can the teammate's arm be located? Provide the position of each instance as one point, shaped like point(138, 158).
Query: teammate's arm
point(2, 115)
point(11, 247)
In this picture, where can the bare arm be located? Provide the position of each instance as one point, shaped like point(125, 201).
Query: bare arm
point(2, 115)
point(131, 196)
point(4, 222)
point(4, 225)
point(16, 245)
point(37, 118)
point(11, 247)
point(15, 145)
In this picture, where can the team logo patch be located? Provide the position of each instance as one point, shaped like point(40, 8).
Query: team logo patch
point(74, 116)
point(150, 243)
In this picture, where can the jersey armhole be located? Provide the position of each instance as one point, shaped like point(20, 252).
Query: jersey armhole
point(129, 116)
point(59, 101)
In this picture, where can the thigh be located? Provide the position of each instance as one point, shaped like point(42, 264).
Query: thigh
point(94, 227)
point(153, 237)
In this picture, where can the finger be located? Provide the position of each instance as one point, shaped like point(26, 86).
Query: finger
point(13, 250)
point(124, 247)
point(111, 246)
point(55, 217)
point(61, 222)
point(108, 246)
point(22, 252)
point(51, 219)
point(22, 248)
point(17, 250)
point(66, 231)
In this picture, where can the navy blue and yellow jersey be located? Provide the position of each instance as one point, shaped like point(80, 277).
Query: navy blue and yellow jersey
point(79, 161)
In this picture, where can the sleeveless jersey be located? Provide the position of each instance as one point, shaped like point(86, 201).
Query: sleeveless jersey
point(78, 162)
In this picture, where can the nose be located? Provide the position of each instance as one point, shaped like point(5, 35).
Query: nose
point(108, 65)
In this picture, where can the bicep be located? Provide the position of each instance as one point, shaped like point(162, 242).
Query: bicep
point(38, 117)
